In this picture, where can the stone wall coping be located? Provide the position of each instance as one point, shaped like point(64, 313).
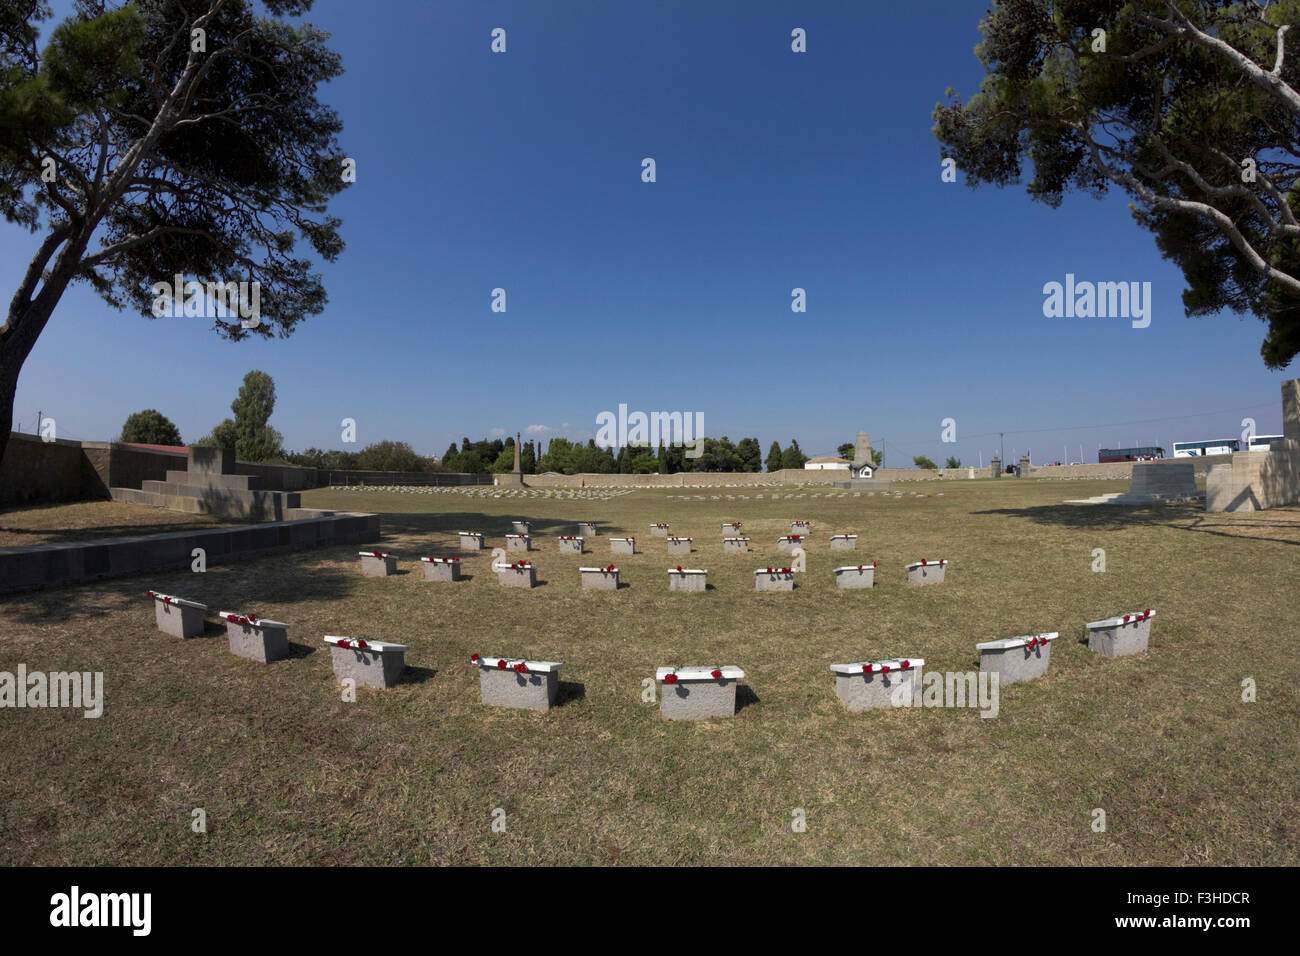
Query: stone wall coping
point(492, 662)
point(258, 622)
point(856, 567)
point(170, 599)
point(687, 571)
point(926, 563)
point(441, 560)
point(1006, 643)
point(878, 667)
point(379, 647)
point(1120, 619)
point(729, 672)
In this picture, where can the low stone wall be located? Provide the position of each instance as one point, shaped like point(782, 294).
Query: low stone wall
point(53, 565)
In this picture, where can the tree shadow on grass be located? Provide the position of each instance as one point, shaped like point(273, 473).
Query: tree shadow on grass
point(1178, 517)
point(250, 584)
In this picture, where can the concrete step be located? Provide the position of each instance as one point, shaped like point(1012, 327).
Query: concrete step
point(213, 480)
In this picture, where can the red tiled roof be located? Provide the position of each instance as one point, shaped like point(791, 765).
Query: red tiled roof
point(182, 449)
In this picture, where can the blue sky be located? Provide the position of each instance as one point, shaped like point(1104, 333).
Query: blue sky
point(775, 170)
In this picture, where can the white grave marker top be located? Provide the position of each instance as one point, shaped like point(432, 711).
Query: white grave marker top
point(250, 620)
point(1029, 640)
point(1122, 619)
point(700, 673)
point(168, 599)
point(517, 664)
point(361, 644)
point(879, 667)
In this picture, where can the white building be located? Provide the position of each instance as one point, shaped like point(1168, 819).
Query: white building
point(827, 464)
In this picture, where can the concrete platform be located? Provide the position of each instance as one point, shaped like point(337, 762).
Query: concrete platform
point(36, 566)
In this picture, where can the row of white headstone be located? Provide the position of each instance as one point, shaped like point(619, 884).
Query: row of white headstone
point(686, 693)
point(523, 573)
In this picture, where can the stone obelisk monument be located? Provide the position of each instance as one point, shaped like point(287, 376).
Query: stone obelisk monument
point(517, 475)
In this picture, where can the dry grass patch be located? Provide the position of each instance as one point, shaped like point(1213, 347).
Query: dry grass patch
point(82, 520)
point(288, 773)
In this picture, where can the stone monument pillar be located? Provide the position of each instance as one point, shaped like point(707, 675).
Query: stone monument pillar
point(995, 467)
point(1022, 469)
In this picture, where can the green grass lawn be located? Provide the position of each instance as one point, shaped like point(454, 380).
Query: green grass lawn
point(289, 773)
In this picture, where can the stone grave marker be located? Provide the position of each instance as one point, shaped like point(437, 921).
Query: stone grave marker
point(926, 571)
point(176, 617)
point(866, 685)
point(1016, 659)
point(1121, 635)
point(256, 638)
point(518, 683)
point(856, 576)
point(687, 579)
point(697, 693)
point(372, 663)
point(774, 579)
point(378, 564)
point(441, 569)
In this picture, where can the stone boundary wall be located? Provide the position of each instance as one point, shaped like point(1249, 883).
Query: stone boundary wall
point(1119, 470)
point(52, 565)
point(34, 471)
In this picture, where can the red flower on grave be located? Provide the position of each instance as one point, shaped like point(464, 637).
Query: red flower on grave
point(1126, 618)
point(473, 658)
point(786, 571)
point(905, 665)
point(610, 568)
point(166, 599)
point(716, 674)
point(769, 570)
point(923, 564)
point(670, 678)
point(873, 564)
point(1147, 613)
point(343, 643)
point(501, 664)
point(148, 594)
point(361, 644)
point(884, 668)
point(521, 668)
point(376, 554)
point(1032, 643)
point(859, 567)
point(679, 568)
point(866, 668)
